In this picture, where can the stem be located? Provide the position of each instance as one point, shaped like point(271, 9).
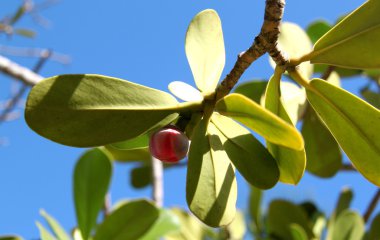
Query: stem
point(157, 177)
point(107, 205)
point(328, 72)
point(347, 167)
point(297, 76)
point(372, 205)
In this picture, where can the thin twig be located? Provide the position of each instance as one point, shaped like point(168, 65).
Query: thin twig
point(157, 177)
point(328, 72)
point(266, 41)
point(347, 167)
point(372, 205)
point(107, 205)
point(34, 52)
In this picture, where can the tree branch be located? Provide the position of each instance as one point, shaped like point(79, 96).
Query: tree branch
point(157, 178)
point(372, 205)
point(266, 41)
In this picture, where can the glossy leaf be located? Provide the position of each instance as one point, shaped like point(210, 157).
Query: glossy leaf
point(44, 233)
point(260, 120)
point(54, 225)
point(255, 199)
point(92, 176)
point(349, 226)
point(253, 90)
point(324, 158)
point(374, 231)
point(93, 110)
point(354, 124)
point(129, 221)
point(135, 149)
point(295, 42)
point(282, 215)
point(352, 41)
point(317, 29)
point(190, 227)
point(371, 97)
point(248, 155)
point(205, 49)
point(185, 91)
point(211, 189)
point(141, 176)
point(291, 163)
point(10, 237)
point(298, 233)
point(166, 223)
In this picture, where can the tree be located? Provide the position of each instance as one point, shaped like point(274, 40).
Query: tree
point(92, 110)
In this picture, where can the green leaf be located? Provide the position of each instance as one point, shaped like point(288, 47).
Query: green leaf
point(374, 231)
point(343, 72)
point(76, 234)
point(324, 158)
point(93, 110)
point(293, 99)
point(248, 155)
point(298, 233)
point(295, 42)
point(92, 176)
point(354, 124)
point(135, 149)
point(317, 29)
point(236, 229)
point(141, 176)
point(44, 233)
point(25, 32)
point(291, 163)
point(349, 226)
point(205, 49)
point(18, 14)
point(282, 215)
point(371, 97)
point(260, 120)
point(190, 227)
point(255, 199)
point(211, 189)
point(253, 90)
point(130, 221)
point(54, 225)
point(10, 237)
point(185, 91)
point(352, 41)
point(167, 222)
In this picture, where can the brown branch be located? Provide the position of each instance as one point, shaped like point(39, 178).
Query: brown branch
point(157, 177)
point(372, 205)
point(328, 72)
point(266, 41)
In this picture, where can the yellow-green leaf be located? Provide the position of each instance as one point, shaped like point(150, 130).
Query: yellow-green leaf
point(248, 155)
point(354, 123)
point(135, 149)
point(291, 162)
point(205, 49)
point(93, 110)
point(211, 189)
point(349, 226)
point(236, 229)
point(352, 43)
point(260, 120)
point(44, 233)
point(252, 89)
point(185, 91)
point(54, 225)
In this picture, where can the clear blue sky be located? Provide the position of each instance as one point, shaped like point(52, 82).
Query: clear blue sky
point(141, 41)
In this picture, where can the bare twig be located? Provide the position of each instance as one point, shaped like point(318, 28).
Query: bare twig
point(347, 167)
point(372, 205)
point(157, 177)
point(34, 52)
point(266, 41)
point(328, 72)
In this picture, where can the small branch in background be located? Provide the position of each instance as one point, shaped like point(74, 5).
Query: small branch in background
point(372, 205)
point(107, 205)
point(347, 167)
point(34, 52)
point(158, 183)
point(328, 72)
point(16, 98)
point(266, 41)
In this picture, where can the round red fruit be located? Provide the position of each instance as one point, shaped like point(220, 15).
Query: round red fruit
point(169, 144)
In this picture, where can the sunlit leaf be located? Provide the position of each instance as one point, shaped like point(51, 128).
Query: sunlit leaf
point(295, 42)
point(211, 189)
point(349, 226)
point(92, 176)
point(236, 228)
point(260, 120)
point(374, 231)
point(129, 221)
point(166, 223)
point(354, 124)
point(252, 89)
point(205, 49)
point(298, 233)
point(293, 99)
point(93, 110)
point(317, 29)
point(248, 155)
point(185, 91)
point(352, 41)
point(44, 233)
point(324, 158)
point(135, 149)
point(291, 163)
point(282, 215)
point(54, 225)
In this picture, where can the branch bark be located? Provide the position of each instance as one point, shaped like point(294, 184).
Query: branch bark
point(158, 182)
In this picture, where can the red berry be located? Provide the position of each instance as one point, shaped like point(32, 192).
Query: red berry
point(169, 144)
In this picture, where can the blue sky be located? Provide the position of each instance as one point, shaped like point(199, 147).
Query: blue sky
point(141, 41)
